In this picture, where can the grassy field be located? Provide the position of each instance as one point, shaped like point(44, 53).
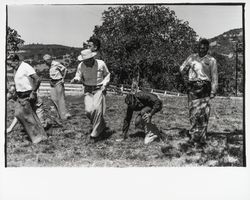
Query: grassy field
point(69, 145)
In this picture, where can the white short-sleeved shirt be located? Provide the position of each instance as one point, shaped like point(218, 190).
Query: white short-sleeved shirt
point(22, 79)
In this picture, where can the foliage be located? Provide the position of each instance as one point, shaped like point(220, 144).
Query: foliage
point(14, 40)
point(224, 49)
point(147, 41)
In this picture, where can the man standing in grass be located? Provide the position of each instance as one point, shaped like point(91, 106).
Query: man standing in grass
point(57, 73)
point(202, 82)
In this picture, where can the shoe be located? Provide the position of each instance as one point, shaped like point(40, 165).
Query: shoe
point(150, 138)
point(68, 116)
point(201, 145)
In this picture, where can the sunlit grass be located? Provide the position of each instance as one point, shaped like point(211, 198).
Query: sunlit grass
point(69, 145)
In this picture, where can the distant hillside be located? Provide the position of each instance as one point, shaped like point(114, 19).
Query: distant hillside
point(36, 51)
point(223, 48)
point(225, 43)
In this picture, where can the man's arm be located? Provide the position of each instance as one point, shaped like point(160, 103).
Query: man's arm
point(36, 82)
point(126, 122)
point(184, 68)
point(106, 75)
point(157, 106)
point(78, 74)
point(63, 70)
point(64, 73)
point(214, 76)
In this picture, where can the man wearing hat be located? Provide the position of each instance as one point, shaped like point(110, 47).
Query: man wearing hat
point(57, 73)
point(95, 77)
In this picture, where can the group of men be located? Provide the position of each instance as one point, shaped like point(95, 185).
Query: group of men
point(199, 70)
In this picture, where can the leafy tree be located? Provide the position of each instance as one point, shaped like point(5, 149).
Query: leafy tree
point(13, 41)
point(148, 42)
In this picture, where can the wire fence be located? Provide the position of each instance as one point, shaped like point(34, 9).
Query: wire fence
point(78, 89)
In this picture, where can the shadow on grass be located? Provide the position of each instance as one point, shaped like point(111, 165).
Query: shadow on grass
point(137, 134)
point(107, 134)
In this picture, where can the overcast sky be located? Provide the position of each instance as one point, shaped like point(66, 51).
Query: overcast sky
point(72, 24)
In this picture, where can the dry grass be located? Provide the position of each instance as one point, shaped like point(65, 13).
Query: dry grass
point(69, 145)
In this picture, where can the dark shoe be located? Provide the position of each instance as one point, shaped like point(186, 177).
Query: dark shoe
point(201, 145)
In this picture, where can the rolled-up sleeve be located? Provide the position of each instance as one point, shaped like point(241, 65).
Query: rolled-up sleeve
point(106, 75)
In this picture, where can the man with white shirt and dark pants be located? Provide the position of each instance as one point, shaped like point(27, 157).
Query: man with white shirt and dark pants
point(27, 82)
point(95, 77)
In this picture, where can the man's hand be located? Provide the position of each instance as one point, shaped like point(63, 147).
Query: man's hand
point(147, 117)
point(104, 89)
point(73, 81)
point(62, 80)
point(33, 96)
point(9, 130)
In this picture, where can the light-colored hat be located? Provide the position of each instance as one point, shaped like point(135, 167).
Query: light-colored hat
point(47, 57)
point(86, 54)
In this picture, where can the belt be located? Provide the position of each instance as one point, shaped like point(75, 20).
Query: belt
point(91, 88)
point(200, 81)
point(55, 80)
point(23, 95)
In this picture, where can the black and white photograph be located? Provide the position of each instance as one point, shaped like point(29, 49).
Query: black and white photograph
point(133, 85)
point(125, 86)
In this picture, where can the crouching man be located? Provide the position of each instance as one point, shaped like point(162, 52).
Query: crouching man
point(147, 104)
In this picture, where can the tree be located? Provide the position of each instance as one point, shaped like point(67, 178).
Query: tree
point(13, 41)
point(148, 41)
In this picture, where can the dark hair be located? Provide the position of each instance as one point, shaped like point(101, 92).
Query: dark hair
point(204, 41)
point(14, 58)
point(96, 43)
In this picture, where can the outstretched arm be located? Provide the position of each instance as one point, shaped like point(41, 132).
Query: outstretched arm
point(126, 122)
point(78, 74)
point(214, 81)
point(106, 75)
